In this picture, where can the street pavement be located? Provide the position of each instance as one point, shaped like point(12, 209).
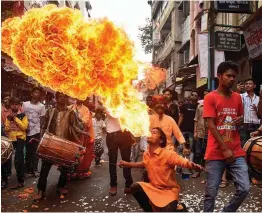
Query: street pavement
point(91, 195)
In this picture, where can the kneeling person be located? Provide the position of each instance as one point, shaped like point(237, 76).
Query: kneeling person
point(162, 191)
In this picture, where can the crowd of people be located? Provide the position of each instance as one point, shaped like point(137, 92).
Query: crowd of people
point(203, 135)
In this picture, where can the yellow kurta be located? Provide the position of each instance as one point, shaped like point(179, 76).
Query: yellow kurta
point(169, 126)
point(163, 187)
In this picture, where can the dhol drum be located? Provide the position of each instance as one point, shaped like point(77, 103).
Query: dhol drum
point(59, 151)
point(253, 148)
point(6, 149)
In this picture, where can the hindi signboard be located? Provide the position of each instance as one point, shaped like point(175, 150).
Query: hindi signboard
point(227, 41)
point(253, 38)
point(233, 6)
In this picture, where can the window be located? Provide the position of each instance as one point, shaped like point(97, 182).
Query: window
point(180, 59)
point(186, 56)
point(186, 7)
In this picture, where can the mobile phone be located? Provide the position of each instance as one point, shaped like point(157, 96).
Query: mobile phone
point(240, 82)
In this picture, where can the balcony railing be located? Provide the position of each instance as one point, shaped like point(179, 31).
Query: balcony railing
point(186, 30)
point(166, 13)
point(155, 4)
point(167, 45)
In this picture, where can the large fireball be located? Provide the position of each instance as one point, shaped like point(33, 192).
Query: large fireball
point(61, 51)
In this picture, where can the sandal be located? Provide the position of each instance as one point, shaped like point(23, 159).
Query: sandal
point(17, 186)
point(196, 175)
point(203, 182)
point(36, 174)
point(62, 191)
point(255, 181)
point(223, 184)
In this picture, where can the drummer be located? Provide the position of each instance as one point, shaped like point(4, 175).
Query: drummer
point(258, 132)
point(58, 121)
point(85, 115)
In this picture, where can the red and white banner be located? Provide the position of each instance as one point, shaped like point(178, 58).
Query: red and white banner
point(253, 38)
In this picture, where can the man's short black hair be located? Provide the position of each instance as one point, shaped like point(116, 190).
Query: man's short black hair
point(162, 137)
point(168, 90)
point(195, 91)
point(250, 79)
point(225, 66)
point(40, 89)
point(99, 110)
point(6, 94)
point(15, 100)
point(58, 93)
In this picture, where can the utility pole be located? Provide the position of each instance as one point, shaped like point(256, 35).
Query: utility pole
point(211, 47)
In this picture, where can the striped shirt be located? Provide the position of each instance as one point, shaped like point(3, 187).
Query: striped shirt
point(250, 116)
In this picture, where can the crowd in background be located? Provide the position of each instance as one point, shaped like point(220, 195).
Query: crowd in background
point(182, 122)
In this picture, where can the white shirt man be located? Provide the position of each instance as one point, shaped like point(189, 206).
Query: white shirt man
point(33, 112)
point(112, 124)
point(250, 115)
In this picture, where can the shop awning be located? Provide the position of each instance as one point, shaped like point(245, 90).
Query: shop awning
point(194, 61)
point(186, 72)
point(251, 18)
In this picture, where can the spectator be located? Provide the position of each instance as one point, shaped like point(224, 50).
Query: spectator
point(172, 109)
point(35, 112)
point(186, 120)
point(15, 126)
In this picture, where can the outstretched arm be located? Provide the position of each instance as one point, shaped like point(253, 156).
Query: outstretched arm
point(177, 160)
point(124, 164)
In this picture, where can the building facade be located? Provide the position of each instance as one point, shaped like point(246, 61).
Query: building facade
point(184, 42)
point(166, 37)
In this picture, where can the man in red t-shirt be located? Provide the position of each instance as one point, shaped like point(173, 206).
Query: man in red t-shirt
point(224, 113)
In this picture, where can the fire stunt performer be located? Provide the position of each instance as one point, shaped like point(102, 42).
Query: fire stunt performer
point(166, 123)
point(63, 123)
point(87, 140)
point(162, 191)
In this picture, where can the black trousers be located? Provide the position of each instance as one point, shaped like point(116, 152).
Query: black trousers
point(45, 169)
point(5, 169)
point(144, 201)
point(123, 141)
point(31, 159)
point(19, 159)
point(200, 150)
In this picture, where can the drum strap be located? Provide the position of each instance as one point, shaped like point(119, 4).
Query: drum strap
point(50, 118)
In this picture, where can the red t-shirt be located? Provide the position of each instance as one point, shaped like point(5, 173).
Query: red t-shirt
point(224, 110)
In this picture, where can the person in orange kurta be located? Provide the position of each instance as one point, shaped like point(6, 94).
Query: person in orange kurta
point(167, 124)
point(88, 141)
point(162, 191)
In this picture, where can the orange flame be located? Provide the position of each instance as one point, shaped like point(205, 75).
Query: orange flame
point(153, 76)
point(61, 51)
